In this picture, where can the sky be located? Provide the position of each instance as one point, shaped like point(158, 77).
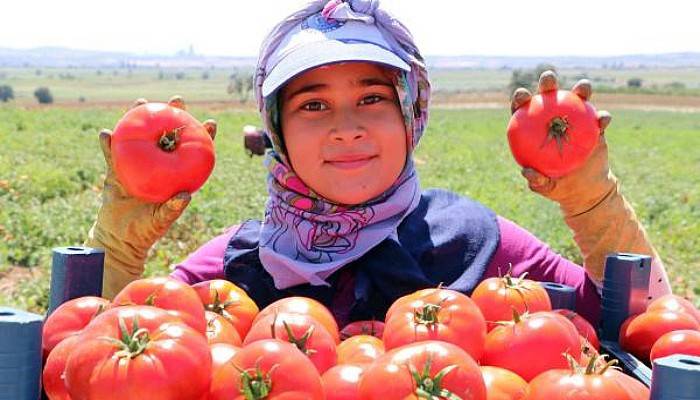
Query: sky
point(441, 27)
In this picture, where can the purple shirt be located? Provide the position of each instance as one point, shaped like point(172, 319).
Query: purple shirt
point(517, 246)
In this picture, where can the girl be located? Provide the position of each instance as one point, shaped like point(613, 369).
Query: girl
point(343, 93)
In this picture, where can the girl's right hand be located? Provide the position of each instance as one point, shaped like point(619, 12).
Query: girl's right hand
point(127, 227)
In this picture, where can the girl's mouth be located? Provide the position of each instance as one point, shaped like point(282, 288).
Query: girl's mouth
point(348, 163)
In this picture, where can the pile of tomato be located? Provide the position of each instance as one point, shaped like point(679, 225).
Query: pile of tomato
point(162, 339)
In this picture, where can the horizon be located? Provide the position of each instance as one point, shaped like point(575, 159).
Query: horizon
point(184, 53)
point(602, 29)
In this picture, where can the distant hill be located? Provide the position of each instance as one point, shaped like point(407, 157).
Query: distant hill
point(64, 57)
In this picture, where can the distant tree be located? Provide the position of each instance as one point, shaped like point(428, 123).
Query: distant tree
point(37, 72)
point(634, 83)
point(528, 78)
point(675, 85)
point(180, 76)
point(241, 86)
point(6, 93)
point(521, 78)
point(161, 75)
point(43, 95)
point(205, 75)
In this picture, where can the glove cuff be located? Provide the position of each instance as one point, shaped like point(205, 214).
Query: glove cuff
point(123, 262)
point(610, 225)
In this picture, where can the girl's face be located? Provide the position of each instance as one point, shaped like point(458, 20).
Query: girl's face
point(344, 131)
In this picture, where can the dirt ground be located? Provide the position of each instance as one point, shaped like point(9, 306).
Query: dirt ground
point(602, 101)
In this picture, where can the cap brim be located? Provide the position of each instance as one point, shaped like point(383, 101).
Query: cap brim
point(321, 53)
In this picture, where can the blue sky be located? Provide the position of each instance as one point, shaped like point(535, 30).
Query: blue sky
point(445, 27)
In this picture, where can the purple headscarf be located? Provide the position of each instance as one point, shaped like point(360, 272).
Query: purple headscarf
point(304, 237)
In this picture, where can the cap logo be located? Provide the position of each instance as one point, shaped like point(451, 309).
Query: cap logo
point(319, 23)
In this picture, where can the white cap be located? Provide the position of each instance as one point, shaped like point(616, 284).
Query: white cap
point(318, 41)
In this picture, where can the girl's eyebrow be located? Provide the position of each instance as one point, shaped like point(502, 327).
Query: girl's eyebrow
point(304, 89)
point(319, 86)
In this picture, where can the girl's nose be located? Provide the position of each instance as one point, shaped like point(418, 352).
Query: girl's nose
point(347, 128)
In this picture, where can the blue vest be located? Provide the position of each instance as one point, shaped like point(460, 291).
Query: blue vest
point(447, 239)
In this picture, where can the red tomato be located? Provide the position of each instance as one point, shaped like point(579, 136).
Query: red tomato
point(54, 384)
point(639, 332)
point(532, 344)
point(69, 319)
point(307, 334)
point(342, 382)
point(562, 384)
point(279, 369)
point(225, 298)
point(374, 328)
point(138, 352)
point(432, 368)
point(159, 151)
point(496, 298)
point(634, 388)
point(303, 305)
point(436, 314)
point(671, 302)
point(502, 384)
point(168, 294)
point(554, 133)
point(676, 342)
point(223, 372)
point(359, 349)
point(585, 329)
point(219, 330)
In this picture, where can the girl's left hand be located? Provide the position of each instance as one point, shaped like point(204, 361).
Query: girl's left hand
point(582, 189)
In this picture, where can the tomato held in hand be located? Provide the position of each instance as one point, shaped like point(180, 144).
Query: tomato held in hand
point(159, 151)
point(554, 133)
point(496, 298)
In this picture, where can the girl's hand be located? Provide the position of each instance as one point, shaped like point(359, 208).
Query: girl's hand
point(585, 187)
point(127, 227)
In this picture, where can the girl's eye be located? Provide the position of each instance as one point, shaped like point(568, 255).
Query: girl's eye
point(371, 99)
point(314, 106)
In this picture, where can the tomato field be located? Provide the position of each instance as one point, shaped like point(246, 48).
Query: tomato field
point(51, 171)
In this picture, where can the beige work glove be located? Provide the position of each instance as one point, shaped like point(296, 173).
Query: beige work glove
point(600, 217)
point(126, 227)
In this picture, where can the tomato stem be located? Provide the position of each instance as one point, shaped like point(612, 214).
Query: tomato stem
point(131, 344)
point(557, 131)
point(428, 387)
point(428, 314)
point(255, 386)
point(169, 139)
